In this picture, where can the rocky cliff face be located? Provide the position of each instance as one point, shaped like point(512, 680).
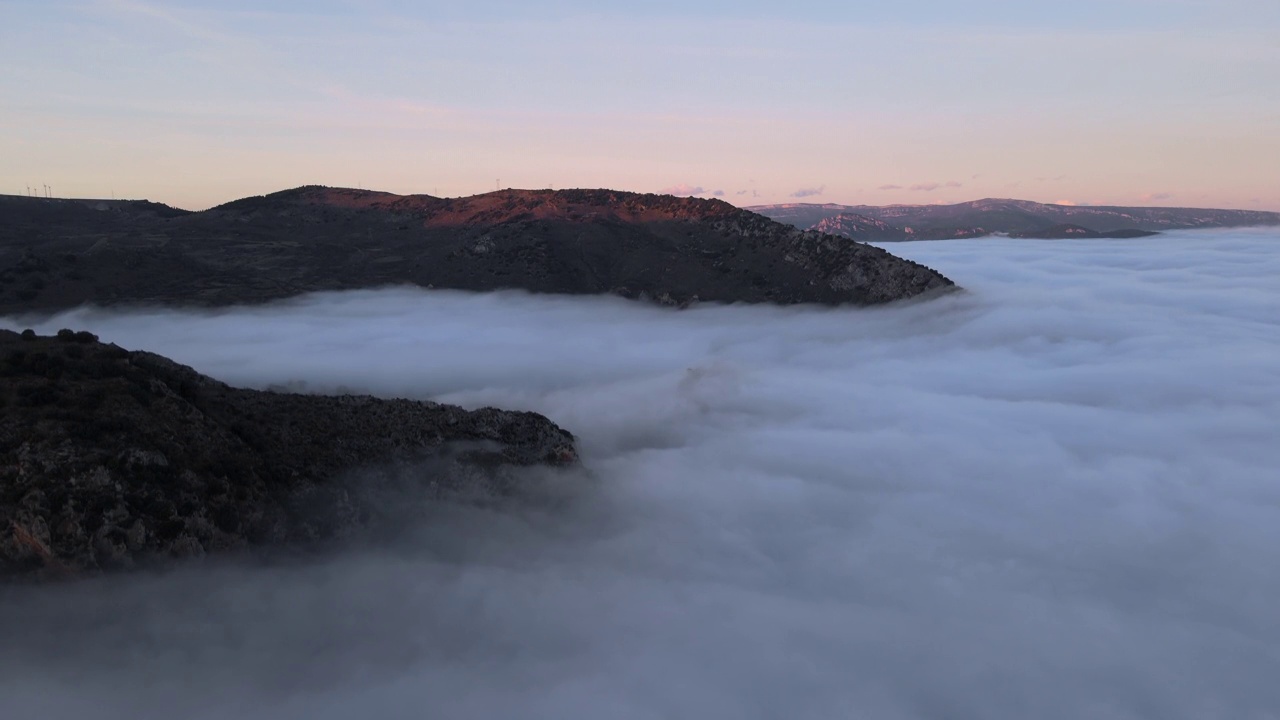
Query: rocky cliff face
point(114, 459)
point(661, 248)
point(859, 227)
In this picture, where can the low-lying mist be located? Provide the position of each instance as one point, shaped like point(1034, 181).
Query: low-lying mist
point(1056, 495)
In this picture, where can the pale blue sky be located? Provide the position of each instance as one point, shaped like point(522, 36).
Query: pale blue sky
point(194, 103)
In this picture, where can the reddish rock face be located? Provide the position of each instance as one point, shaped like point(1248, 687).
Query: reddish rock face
point(507, 206)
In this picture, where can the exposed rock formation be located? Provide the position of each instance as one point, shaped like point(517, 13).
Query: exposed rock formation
point(868, 229)
point(113, 459)
point(859, 227)
point(56, 254)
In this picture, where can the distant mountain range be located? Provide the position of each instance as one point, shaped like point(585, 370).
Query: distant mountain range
point(1017, 218)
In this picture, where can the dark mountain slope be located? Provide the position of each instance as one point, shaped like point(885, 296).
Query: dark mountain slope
point(668, 249)
point(111, 459)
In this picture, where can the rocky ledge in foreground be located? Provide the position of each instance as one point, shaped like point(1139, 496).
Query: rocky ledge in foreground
point(111, 459)
point(57, 254)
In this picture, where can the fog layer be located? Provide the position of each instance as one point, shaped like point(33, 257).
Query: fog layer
point(1056, 495)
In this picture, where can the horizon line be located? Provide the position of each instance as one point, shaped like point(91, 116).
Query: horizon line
point(117, 199)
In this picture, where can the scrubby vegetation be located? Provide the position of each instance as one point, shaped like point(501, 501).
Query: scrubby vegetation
point(114, 459)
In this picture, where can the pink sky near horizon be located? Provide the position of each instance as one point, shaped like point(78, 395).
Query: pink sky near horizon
point(194, 104)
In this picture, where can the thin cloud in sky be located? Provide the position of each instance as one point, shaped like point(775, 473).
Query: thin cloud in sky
point(237, 79)
point(931, 186)
point(683, 189)
point(809, 192)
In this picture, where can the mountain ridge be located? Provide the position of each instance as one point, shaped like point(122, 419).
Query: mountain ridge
point(57, 254)
point(1007, 215)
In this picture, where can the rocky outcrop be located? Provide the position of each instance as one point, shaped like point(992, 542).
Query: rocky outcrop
point(111, 459)
point(859, 227)
point(656, 247)
point(944, 233)
point(868, 229)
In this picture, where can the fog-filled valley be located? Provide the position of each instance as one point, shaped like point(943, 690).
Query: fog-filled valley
point(1053, 495)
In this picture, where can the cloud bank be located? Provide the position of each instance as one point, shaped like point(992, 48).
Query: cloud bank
point(1052, 496)
point(809, 192)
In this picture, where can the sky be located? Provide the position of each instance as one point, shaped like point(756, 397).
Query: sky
point(1156, 102)
point(1052, 496)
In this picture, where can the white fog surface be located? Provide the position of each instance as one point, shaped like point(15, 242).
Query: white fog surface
point(1056, 495)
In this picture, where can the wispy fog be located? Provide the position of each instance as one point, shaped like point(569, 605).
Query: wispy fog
point(1054, 496)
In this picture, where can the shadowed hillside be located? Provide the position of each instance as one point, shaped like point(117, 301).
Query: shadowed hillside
point(59, 254)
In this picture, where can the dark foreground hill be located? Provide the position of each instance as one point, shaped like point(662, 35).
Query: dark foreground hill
point(1017, 218)
point(111, 459)
point(58, 254)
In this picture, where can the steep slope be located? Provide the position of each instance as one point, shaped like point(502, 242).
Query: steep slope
point(671, 250)
point(111, 459)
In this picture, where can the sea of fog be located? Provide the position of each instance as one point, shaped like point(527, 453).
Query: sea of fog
point(1056, 495)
